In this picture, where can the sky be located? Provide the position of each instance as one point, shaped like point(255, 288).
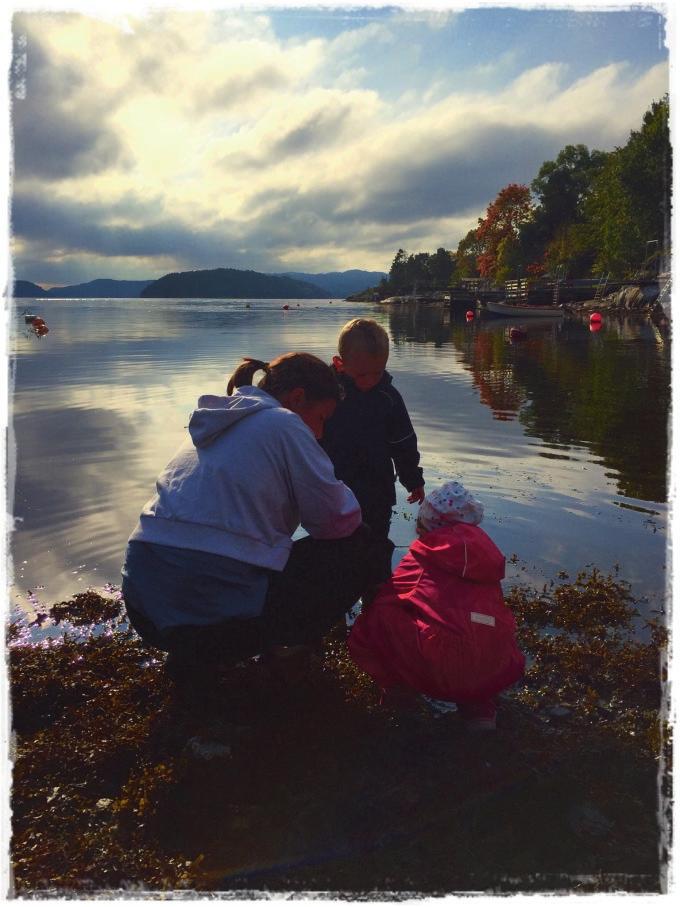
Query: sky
point(303, 139)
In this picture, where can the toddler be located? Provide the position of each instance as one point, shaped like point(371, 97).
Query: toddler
point(440, 626)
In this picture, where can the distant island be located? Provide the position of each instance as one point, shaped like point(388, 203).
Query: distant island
point(340, 283)
point(102, 288)
point(228, 283)
point(25, 289)
point(218, 283)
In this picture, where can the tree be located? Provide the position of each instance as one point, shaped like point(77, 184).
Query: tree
point(469, 249)
point(397, 277)
point(498, 232)
point(441, 266)
point(630, 201)
point(563, 185)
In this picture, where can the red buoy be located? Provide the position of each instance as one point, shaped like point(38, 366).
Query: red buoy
point(596, 316)
point(595, 326)
point(469, 314)
point(285, 307)
point(518, 334)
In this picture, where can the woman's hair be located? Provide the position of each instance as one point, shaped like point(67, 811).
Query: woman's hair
point(363, 335)
point(291, 370)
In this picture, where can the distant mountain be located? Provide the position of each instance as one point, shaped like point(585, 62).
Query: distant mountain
point(341, 283)
point(102, 288)
point(23, 288)
point(228, 283)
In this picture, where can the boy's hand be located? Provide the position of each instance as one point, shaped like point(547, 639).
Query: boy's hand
point(417, 495)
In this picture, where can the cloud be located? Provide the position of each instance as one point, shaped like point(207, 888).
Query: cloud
point(204, 139)
point(242, 88)
point(56, 132)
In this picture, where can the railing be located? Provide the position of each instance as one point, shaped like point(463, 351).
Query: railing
point(602, 286)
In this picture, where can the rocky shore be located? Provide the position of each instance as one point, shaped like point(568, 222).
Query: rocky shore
point(310, 783)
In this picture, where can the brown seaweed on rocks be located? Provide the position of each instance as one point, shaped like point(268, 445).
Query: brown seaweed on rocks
point(120, 784)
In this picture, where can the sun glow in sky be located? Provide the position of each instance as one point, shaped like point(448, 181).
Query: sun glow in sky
point(306, 139)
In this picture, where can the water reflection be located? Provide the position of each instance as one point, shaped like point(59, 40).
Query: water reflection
point(567, 449)
point(609, 392)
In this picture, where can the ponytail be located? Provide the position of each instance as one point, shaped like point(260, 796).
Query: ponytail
point(289, 371)
point(245, 371)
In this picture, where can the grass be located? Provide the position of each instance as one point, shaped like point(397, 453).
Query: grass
point(316, 786)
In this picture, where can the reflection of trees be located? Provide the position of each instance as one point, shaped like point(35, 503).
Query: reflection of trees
point(609, 392)
point(612, 397)
point(494, 377)
point(414, 323)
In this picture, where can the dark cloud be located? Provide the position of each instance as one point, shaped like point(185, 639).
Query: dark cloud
point(55, 137)
point(437, 183)
point(82, 228)
point(243, 87)
point(450, 183)
point(320, 129)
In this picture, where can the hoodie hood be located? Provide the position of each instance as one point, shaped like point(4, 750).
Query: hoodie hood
point(466, 551)
point(215, 415)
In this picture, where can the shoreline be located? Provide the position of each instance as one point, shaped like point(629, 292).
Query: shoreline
point(271, 784)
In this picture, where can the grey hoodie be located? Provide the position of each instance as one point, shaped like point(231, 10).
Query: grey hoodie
point(250, 474)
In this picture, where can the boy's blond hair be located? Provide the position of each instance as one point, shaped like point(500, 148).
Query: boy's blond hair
point(365, 336)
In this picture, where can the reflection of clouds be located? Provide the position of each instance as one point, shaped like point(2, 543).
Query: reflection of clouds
point(96, 421)
point(76, 491)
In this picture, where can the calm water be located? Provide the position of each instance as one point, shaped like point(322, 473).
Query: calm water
point(563, 436)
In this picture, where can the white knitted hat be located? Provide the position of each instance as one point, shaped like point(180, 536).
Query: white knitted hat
point(449, 504)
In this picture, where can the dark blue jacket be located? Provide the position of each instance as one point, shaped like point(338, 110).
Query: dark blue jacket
point(369, 436)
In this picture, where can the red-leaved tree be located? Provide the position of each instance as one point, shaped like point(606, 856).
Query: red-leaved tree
point(498, 232)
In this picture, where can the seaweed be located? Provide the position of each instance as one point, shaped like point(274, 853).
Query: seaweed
point(123, 782)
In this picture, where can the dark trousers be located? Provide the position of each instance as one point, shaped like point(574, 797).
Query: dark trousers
point(379, 516)
point(322, 579)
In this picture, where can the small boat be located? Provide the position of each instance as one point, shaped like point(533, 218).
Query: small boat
point(523, 311)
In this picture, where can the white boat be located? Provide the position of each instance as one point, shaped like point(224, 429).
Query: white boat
point(524, 311)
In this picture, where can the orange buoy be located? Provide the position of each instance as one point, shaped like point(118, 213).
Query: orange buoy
point(596, 317)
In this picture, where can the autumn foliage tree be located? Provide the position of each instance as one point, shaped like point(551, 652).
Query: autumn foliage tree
point(498, 232)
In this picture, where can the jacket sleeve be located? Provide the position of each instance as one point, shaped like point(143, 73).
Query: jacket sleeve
point(404, 445)
point(327, 507)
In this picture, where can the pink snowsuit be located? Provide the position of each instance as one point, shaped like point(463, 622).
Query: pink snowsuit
point(440, 625)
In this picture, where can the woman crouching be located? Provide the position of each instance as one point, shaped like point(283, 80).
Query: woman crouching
point(211, 573)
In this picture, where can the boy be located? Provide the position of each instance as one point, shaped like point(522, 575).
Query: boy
point(370, 435)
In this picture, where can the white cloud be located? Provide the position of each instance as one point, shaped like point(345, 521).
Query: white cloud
point(277, 145)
